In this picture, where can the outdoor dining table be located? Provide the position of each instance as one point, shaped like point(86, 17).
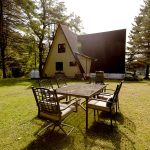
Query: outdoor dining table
point(82, 90)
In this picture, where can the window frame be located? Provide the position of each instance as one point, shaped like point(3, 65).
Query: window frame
point(61, 48)
point(59, 66)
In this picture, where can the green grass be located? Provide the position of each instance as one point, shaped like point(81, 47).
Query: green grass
point(19, 124)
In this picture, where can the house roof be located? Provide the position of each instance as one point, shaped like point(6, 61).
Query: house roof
point(72, 39)
point(95, 44)
point(108, 48)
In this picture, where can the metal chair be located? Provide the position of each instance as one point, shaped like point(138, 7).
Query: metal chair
point(107, 95)
point(107, 105)
point(50, 108)
point(47, 83)
point(61, 81)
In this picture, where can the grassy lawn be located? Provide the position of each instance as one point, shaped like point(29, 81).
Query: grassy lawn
point(19, 123)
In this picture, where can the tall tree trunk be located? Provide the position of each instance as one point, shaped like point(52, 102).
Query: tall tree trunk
point(3, 61)
point(2, 40)
point(147, 72)
point(40, 57)
point(147, 66)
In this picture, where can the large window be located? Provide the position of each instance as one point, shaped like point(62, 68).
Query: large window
point(59, 66)
point(61, 48)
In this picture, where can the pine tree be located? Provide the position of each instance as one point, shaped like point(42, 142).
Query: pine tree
point(10, 18)
point(139, 39)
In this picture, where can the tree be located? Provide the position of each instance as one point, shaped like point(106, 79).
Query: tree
point(9, 20)
point(139, 39)
point(39, 16)
point(3, 40)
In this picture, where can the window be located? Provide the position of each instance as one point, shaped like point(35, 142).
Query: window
point(71, 63)
point(61, 48)
point(59, 66)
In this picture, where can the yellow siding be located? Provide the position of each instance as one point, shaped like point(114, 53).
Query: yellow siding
point(86, 63)
point(54, 56)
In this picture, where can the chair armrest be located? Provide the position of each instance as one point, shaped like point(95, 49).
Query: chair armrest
point(106, 94)
point(73, 101)
point(110, 90)
point(107, 100)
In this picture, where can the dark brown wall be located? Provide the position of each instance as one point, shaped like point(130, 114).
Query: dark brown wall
point(108, 48)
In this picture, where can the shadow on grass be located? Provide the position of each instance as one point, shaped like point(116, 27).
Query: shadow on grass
point(48, 140)
point(121, 119)
point(101, 131)
point(99, 135)
point(126, 122)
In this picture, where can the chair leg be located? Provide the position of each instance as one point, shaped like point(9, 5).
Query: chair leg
point(94, 112)
point(76, 106)
point(67, 133)
point(118, 103)
point(111, 117)
point(45, 128)
point(53, 128)
point(116, 108)
point(62, 129)
point(55, 124)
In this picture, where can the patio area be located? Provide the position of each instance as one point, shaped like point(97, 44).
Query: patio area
point(19, 124)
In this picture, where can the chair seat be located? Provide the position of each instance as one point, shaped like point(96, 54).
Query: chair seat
point(99, 105)
point(57, 117)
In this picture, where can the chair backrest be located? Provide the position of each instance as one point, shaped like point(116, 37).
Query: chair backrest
point(117, 90)
point(115, 95)
point(46, 83)
point(120, 84)
point(46, 101)
point(61, 81)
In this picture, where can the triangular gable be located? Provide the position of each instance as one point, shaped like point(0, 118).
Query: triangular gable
point(72, 41)
point(71, 38)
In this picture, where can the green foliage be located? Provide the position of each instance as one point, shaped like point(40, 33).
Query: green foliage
point(10, 19)
point(27, 30)
point(40, 15)
point(139, 39)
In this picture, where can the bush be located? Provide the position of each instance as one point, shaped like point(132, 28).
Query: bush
point(16, 72)
point(129, 76)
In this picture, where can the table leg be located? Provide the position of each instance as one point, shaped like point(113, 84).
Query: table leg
point(86, 114)
point(80, 104)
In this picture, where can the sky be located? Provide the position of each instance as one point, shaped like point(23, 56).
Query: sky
point(105, 15)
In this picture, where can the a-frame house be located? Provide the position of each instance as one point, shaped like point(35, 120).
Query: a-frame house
point(64, 55)
point(75, 54)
